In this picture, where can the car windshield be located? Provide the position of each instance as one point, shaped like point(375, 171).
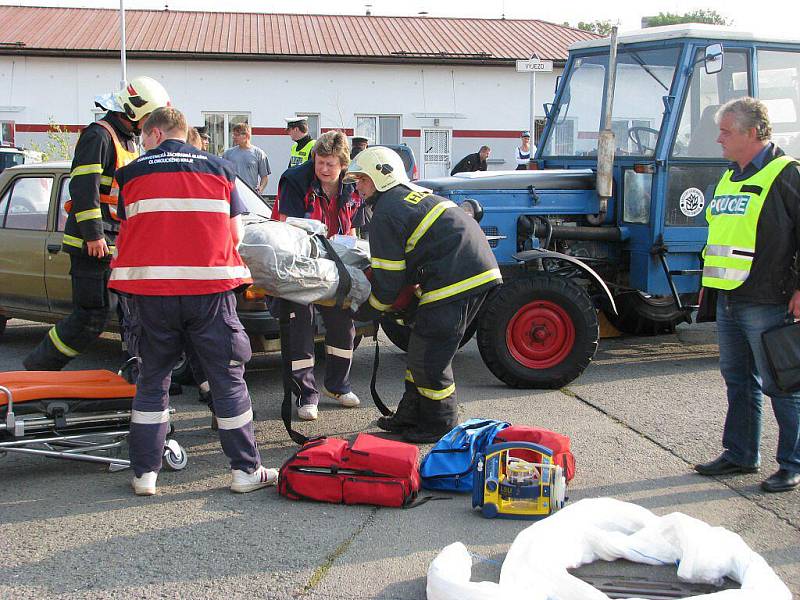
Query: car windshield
point(10, 159)
point(643, 78)
point(256, 205)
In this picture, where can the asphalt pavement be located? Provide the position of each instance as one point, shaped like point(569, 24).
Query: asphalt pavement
point(640, 416)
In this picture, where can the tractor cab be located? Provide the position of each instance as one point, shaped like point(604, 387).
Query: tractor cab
point(667, 87)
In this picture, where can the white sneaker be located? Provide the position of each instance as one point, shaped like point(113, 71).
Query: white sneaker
point(243, 482)
point(146, 484)
point(348, 400)
point(307, 412)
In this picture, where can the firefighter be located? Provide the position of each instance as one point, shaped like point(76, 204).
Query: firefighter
point(314, 190)
point(92, 224)
point(297, 128)
point(178, 265)
point(418, 238)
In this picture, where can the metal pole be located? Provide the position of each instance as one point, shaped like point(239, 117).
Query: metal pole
point(124, 81)
point(532, 91)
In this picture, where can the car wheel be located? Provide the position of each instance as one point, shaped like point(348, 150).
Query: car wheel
point(182, 371)
point(641, 314)
point(400, 335)
point(538, 332)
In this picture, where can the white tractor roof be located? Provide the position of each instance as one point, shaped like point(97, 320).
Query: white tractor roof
point(670, 32)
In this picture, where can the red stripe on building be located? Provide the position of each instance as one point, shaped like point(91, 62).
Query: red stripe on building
point(33, 128)
point(268, 130)
point(409, 133)
point(485, 133)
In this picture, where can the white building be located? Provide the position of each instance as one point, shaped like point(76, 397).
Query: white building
point(442, 86)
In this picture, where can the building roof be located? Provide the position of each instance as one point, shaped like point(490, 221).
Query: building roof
point(255, 36)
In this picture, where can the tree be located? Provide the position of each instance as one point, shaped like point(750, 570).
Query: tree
point(705, 15)
point(59, 146)
point(598, 27)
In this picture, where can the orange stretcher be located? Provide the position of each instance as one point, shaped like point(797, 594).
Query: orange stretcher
point(72, 415)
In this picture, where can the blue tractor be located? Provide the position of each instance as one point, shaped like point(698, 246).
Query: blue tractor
point(611, 217)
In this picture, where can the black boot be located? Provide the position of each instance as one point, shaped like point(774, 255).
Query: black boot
point(45, 357)
point(406, 415)
point(436, 418)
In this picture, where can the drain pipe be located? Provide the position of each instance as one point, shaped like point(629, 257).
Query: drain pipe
point(605, 142)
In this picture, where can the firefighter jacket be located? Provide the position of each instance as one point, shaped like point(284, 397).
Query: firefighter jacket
point(175, 240)
point(301, 151)
point(754, 230)
point(420, 238)
point(102, 148)
point(300, 195)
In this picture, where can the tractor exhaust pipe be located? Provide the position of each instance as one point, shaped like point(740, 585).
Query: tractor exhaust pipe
point(605, 142)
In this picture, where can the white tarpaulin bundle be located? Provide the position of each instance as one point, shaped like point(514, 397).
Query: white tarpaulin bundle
point(536, 565)
point(286, 260)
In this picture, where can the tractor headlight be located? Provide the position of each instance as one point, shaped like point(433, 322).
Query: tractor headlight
point(473, 208)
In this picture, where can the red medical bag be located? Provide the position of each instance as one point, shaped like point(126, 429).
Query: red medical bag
point(371, 470)
point(557, 442)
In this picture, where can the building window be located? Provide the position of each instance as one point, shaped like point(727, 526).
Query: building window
point(313, 123)
point(219, 126)
point(379, 129)
point(7, 133)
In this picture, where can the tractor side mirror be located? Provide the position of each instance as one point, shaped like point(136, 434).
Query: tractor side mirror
point(714, 58)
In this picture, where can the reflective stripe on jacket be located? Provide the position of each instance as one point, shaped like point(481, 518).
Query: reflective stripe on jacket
point(423, 239)
point(732, 217)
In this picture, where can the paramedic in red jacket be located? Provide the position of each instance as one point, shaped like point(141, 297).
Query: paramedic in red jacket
point(314, 190)
point(177, 263)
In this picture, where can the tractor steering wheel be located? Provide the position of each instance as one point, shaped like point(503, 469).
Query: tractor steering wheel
point(641, 147)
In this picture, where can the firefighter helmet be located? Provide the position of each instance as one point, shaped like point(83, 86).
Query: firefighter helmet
point(383, 166)
point(142, 96)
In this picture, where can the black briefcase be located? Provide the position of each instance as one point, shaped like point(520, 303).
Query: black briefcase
point(782, 347)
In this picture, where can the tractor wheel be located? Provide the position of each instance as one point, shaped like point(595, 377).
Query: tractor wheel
point(640, 314)
point(399, 335)
point(538, 332)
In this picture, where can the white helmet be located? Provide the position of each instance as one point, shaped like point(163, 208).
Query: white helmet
point(140, 97)
point(384, 167)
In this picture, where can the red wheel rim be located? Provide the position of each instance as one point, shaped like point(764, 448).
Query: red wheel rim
point(540, 335)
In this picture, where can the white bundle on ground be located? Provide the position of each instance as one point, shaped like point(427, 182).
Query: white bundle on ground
point(286, 260)
point(536, 565)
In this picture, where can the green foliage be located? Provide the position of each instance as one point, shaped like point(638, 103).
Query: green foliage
point(598, 27)
point(59, 145)
point(705, 15)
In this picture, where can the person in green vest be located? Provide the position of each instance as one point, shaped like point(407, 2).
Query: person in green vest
point(297, 129)
point(753, 240)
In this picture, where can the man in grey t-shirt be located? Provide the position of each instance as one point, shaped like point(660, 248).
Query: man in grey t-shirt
point(251, 162)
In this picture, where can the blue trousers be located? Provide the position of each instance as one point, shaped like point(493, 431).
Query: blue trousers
point(158, 327)
point(340, 334)
point(747, 376)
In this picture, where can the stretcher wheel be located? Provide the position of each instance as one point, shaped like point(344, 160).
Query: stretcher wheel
point(175, 456)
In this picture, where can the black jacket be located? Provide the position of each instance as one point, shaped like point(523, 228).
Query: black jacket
point(94, 147)
point(471, 162)
point(420, 238)
point(773, 276)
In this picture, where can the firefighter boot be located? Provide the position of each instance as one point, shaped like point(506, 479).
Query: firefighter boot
point(405, 416)
point(436, 418)
point(46, 357)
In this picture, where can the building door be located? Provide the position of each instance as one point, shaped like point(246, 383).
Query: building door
point(435, 153)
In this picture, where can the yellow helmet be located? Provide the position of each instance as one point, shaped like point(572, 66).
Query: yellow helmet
point(383, 166)
point(142, 96)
